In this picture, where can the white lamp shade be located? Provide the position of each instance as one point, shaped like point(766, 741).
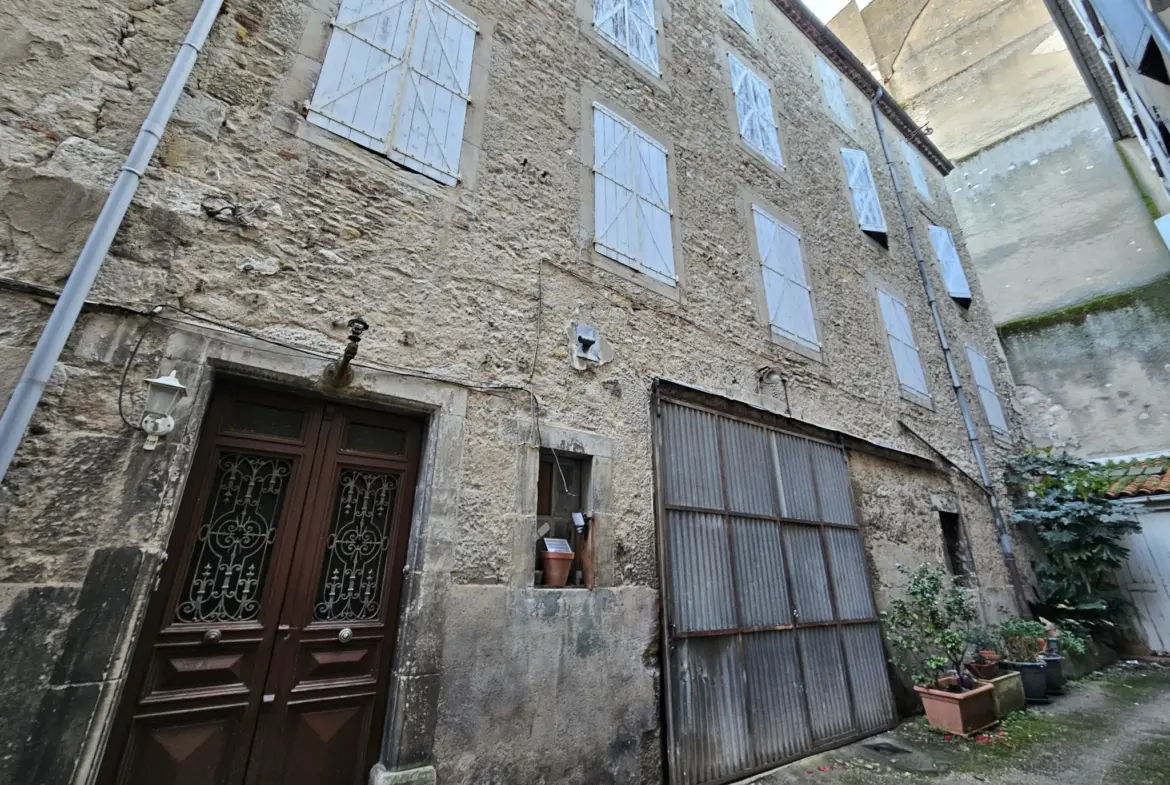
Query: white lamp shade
point(163, 394)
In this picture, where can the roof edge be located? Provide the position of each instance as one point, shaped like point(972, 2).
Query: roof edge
point(832, 46)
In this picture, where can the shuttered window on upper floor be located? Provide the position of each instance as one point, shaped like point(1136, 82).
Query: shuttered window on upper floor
point(397, 79)
point(741, 12)
point(948, 261)
point(631, 197)
point(917, 173)
point(865, 196)
point(753, 107)
point(629, 25)
point(907, 362)
point(786, 284)
point(834, 89)
point(981, 371)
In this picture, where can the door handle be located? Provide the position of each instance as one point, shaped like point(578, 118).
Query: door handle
point(345, 636)
point(268, 698)
point(212, 636)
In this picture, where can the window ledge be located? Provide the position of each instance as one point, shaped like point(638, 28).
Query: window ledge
point(925, 401)
point(634, 276)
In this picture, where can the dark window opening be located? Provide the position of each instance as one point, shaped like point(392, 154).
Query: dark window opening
point(1117, 78)
point(1164, 137)
point(958, 553)
point(881, 238)
point(1141, 128)
point(1153, 64)
point(560, 492)
point(964, 302)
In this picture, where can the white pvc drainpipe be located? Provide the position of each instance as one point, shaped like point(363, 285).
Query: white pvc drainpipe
point(61, 321)
point(1005, 542)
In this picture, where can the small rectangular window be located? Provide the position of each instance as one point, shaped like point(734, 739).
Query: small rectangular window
point(560, 492)
point(834, 90)
point(917, 173)
point(753, 107)
point(948, 262)
point(397, 80)
point(865, 196)
point(741, 12)
point(629, 25)
point(631, 197)
point(907, 362)
point(955, 546)
point(981, 372)
point(786, 286)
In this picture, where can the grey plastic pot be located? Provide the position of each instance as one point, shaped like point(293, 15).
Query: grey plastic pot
point(1054, 673)
point(1035, 679)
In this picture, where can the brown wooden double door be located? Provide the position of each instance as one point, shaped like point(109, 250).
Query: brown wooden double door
point(266, 652)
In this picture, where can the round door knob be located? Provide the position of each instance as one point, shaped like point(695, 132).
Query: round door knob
point(212, 636)
point(345, 636)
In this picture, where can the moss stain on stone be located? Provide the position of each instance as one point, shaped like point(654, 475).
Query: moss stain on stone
point(1155, 295)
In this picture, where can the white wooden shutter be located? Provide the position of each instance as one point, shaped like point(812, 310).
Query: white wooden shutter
point(948, 261)
point(396, 79)
point(786, 286)
point(741, 12)
point(834, 91)
point(865, 197)
point(987, 394)
point(753, 107)
point(914, 164)
point(629, 25)
point(357, 91)
point(907, 362)
point(631, 197)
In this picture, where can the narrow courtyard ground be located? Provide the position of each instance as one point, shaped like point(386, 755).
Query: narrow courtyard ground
point(1112, 728)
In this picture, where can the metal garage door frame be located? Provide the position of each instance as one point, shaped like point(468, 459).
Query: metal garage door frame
point(768, 662)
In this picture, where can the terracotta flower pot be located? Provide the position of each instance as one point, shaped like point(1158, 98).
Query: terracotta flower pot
point(990, 656)
point(556, 567)
point(984, 670)
point(963, 713)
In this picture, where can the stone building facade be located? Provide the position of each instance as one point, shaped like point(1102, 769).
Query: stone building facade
point(1018, 95)
point(513, 337)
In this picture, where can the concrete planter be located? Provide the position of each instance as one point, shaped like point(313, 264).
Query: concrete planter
point(1034, 678)
point(963, 713)
point(1009, 693)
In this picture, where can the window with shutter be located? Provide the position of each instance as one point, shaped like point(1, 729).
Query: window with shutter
point(948, 262)
point(786, 285)
point(753, 107)
point(631, 197)
point(741, 12)
point(917, 174)
point(865, 197)
point(629, 25)
point(981, 371)
point(834, 90)
point(902, 345)
point(396, 79)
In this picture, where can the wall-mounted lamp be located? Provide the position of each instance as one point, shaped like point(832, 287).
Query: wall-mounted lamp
point(162, 396)
point(767, 375)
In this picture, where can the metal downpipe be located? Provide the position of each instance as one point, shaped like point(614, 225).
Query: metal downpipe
point(61, 321)
point(1005, 542)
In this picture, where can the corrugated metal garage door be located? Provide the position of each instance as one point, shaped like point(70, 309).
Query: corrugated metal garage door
point(774, 649)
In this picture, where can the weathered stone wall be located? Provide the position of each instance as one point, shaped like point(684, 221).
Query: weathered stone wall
point(468, 284)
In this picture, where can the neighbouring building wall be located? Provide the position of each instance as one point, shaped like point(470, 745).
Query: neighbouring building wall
point(1055, 207)
point(472, 292)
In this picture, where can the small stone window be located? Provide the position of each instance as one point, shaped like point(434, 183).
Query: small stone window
point(958, 552)
point(562, 514)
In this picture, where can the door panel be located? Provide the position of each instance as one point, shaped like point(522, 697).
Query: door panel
point(278, 606)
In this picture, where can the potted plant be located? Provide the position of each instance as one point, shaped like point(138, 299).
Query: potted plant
point(928, 629)
point(1023, 641)
point(985, 661)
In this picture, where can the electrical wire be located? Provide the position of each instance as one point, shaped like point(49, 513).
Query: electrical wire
point(130, 361)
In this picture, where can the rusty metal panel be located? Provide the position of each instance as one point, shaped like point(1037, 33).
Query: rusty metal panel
point(775, 687)
point(798, 493)
point(748, 461)
point(806, 568)
point(700, 572)
point(691, 474)
point(825, 685)
point(867, 671)
point(850, 578)
point(711, 718)
point(760, 573)
point(833, 483)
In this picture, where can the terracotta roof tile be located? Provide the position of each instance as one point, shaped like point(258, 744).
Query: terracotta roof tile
point(1145, 477)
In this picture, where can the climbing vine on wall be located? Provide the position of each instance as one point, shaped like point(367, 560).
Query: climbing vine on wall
point(1083, 533)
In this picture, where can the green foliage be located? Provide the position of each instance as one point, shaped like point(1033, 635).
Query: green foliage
point(1064, 499)
point(983, 639)
point(929, 627)
point(1020, 638)
point(1071, 643)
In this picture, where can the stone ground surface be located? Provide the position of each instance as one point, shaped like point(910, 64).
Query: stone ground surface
point(1112, 728)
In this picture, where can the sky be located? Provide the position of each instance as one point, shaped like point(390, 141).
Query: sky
point(826, 9)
